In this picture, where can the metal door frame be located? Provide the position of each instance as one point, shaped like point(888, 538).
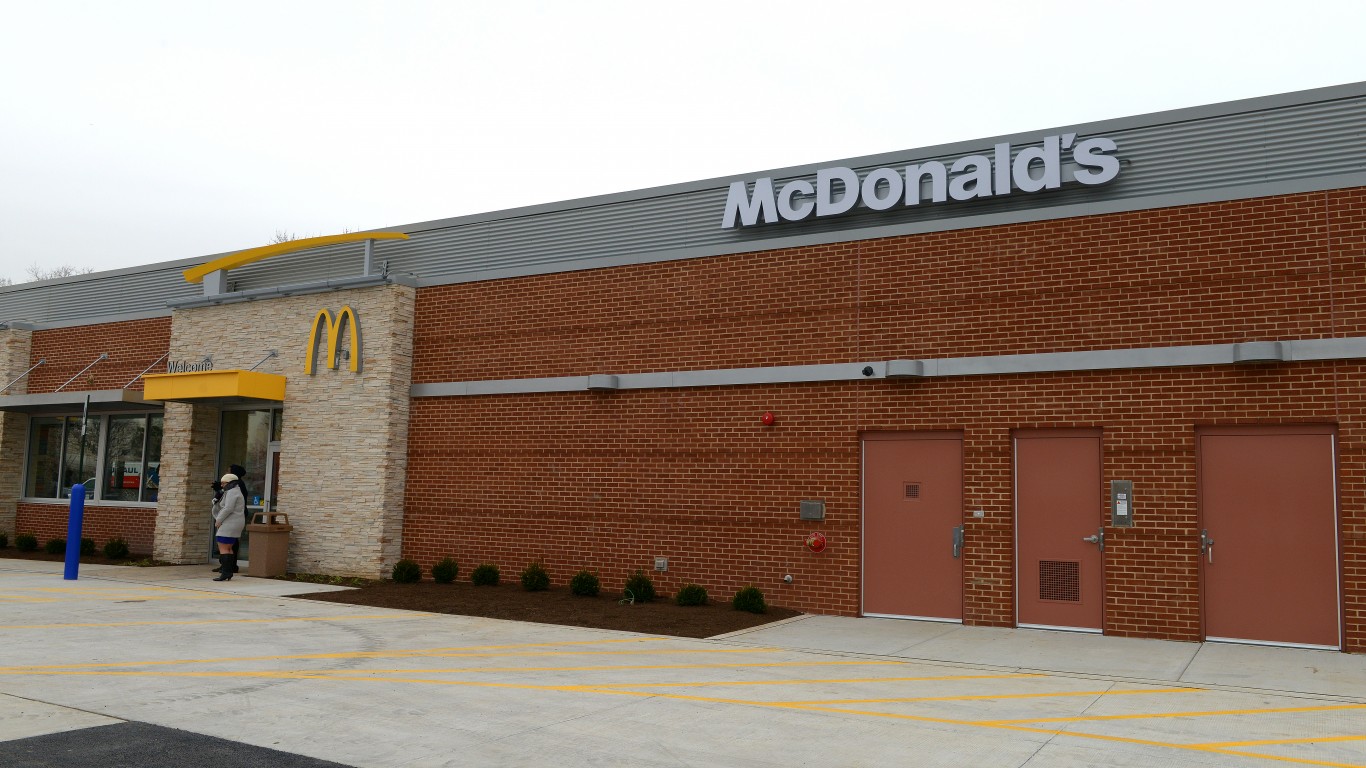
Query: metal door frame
point(267, 497)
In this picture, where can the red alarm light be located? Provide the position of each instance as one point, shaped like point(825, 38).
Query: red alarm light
point(816, 542)
point(768, 419)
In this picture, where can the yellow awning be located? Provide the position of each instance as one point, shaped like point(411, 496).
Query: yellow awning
point(215, 387)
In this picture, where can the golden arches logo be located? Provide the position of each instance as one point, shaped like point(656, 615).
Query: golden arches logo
point(334, 329)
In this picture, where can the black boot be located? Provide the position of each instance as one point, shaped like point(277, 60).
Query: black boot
point(226, 567)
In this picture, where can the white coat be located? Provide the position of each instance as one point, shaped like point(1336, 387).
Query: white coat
point(230, 513)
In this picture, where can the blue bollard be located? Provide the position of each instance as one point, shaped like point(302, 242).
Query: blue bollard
point(73, 532)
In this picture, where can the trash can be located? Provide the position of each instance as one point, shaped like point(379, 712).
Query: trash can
point(269, 551)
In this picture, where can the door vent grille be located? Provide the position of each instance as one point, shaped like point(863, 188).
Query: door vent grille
point(1060, 580)
point(912, 491)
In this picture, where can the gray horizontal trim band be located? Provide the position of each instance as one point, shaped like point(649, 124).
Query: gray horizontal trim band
point(1124, 205)
point(1046, 362)
point(100, 400)
point(298, 289)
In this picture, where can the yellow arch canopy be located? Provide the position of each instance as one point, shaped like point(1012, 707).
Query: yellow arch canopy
point(241, 258)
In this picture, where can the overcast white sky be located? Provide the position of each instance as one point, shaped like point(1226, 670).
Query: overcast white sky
point(133, 132)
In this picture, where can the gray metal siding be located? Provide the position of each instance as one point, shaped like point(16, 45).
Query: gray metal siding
point(1281, 143)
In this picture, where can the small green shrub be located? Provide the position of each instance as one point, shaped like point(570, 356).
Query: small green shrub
point(750, 599)
point(691, 594)
point(26, 542)
point(116, 549)
point(486, 575)
point(407, 572)
point(445, 571)
point(534, 578)
point(585, 584)
point(640, 588)
point(4, 539)
point(55, 547)
point(87, 546)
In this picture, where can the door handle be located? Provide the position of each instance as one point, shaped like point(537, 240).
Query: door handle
point(1097, 538)
point(957, 541)
point(1207, 545)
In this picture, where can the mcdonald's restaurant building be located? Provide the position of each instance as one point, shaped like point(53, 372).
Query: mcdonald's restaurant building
point(1103, 378)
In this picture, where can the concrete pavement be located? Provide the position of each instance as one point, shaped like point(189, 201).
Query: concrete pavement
point(241, 661)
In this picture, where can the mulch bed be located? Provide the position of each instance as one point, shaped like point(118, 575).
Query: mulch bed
point(11, 553)
point(556, 605)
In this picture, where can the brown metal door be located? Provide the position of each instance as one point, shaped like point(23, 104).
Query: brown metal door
point(912, 518)
point(1058, 535)
point(1268, 502)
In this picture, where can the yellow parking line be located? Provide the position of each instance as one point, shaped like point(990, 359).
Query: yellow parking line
point(182, 623)
point(979, 724)
point(1279, 758)
point(1154, 715)
point(808, 682)
point(1220, 745)
point(620, 667)
point(418, 653)
point(997, 724)
point(1082, 735)
point(989, 697)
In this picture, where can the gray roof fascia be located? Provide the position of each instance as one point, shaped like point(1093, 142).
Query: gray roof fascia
point(1195, 197)
point(1168, 117)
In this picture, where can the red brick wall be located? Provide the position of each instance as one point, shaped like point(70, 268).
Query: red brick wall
point(134, 525)
point(132, 346)
point(608, 481)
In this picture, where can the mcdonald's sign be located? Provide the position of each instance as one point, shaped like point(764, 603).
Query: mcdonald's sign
point(334, 329)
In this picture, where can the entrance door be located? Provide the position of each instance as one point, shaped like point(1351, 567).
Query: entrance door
point(1059, 563)
point(912, 525)
point(1268, 512)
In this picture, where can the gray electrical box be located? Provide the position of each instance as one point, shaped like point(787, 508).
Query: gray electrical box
point(813, 510)
point(1122, 503)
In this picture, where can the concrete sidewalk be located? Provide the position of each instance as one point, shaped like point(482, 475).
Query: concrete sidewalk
point(124, 659)
point(1250, 667)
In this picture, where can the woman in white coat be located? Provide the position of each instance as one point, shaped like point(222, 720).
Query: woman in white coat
point(229, 518)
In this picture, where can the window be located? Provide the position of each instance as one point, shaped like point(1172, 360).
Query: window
point(127, 477)
point(60, 456)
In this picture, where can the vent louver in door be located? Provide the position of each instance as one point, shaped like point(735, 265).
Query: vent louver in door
point(1060, 580)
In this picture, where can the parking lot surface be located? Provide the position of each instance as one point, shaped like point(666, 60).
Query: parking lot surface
point(166, 648)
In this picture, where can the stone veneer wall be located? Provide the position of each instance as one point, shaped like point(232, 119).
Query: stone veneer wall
point(14, 360)
point(344, 444)
point(189, 448)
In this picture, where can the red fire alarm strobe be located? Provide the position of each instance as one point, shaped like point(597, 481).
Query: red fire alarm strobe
point(767, 419)
point(816, 542)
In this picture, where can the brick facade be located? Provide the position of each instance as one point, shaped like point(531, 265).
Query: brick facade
point(133, 346)
point(101, 522)
point(608, 481)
